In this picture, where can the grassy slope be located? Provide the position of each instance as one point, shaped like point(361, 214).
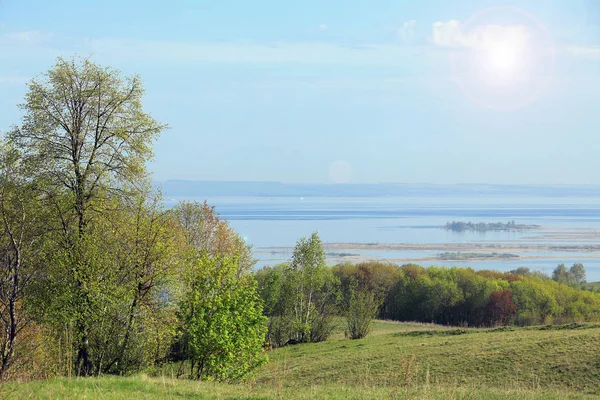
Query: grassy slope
point(529, 358)
point(397, 361)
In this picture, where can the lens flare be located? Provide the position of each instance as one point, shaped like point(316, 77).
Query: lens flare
point(505, 58)
point(340, 172)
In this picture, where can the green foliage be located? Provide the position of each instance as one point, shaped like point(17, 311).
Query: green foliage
point(462, 296)
point(577, 272)
point(220, 311)
point(85, 140)
point(301, 298)
point(98, 260)
point(222, 320)
point(574, 276)
point(362, 308)
point(206, 232)
point(21, 241)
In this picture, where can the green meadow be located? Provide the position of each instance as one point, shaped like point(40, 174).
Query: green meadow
point(396, 361)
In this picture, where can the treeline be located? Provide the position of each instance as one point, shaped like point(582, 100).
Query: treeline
point(452, 296)
point(462, 296)
point(460, 226)
point(96, 276)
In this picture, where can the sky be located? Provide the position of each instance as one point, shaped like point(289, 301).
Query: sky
point(313, 91)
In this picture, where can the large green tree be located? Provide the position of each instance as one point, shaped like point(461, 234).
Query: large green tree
point(87, 139)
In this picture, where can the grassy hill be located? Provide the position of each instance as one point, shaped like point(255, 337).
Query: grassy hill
point(397, 360)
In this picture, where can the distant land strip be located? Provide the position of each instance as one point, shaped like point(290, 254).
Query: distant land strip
point(462, 247)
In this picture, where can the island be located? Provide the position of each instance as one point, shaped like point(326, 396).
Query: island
point(460, 226)
point(458, 256)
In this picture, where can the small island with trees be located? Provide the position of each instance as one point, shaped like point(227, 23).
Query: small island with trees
point(460, 226)
point(458, 256)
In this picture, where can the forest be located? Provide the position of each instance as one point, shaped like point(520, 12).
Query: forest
point(98, 276)
point(441, 295)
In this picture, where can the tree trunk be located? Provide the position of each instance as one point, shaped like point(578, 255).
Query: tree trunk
point(8, 350)
point(83, 365)
point(128, 330)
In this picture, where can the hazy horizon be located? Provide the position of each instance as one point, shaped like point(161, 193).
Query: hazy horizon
point(201, 190)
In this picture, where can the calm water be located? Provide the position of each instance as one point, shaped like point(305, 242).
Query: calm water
point(279, 222)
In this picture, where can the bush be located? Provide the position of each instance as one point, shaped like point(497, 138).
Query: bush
point(362, 308)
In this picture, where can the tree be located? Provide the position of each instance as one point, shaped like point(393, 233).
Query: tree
point(577, 272)
point(361, 310)
point(222, 320)
point(142, 322)
point(307, 264)
point(87, 139)
point(21, 235)
point(523, 271)
point(207, 232)
point(500, 308)
point(220, 309)
point(561, 274)
point(276, 286)
point(301, 297)
point(270, 282)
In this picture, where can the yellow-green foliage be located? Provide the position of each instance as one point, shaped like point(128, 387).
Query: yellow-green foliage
point(223, 326)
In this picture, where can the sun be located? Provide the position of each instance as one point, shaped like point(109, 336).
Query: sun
point(504, 58)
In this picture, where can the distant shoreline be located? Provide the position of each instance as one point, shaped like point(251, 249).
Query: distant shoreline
point(460, 226)
point(447, 252)
point(174, 188)
point(461, 247)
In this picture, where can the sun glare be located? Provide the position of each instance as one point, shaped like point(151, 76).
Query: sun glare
point(504, 58)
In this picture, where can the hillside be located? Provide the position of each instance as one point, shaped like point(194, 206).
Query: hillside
point(557, 357)
point(397, 360)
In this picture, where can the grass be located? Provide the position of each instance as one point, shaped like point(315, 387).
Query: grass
point(397, 361)
point(143, 387)
point(532, 358)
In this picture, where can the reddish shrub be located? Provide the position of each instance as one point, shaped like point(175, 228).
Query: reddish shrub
point(500, 308)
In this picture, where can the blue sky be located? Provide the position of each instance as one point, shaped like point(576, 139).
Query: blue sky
point(436, 91)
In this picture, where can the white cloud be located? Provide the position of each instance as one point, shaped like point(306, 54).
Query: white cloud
point(13, 80)
point(26, 38)
point(407, 31)
point(247, 52)
point(591, 52)
point(323, 27)
point(454, 34)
